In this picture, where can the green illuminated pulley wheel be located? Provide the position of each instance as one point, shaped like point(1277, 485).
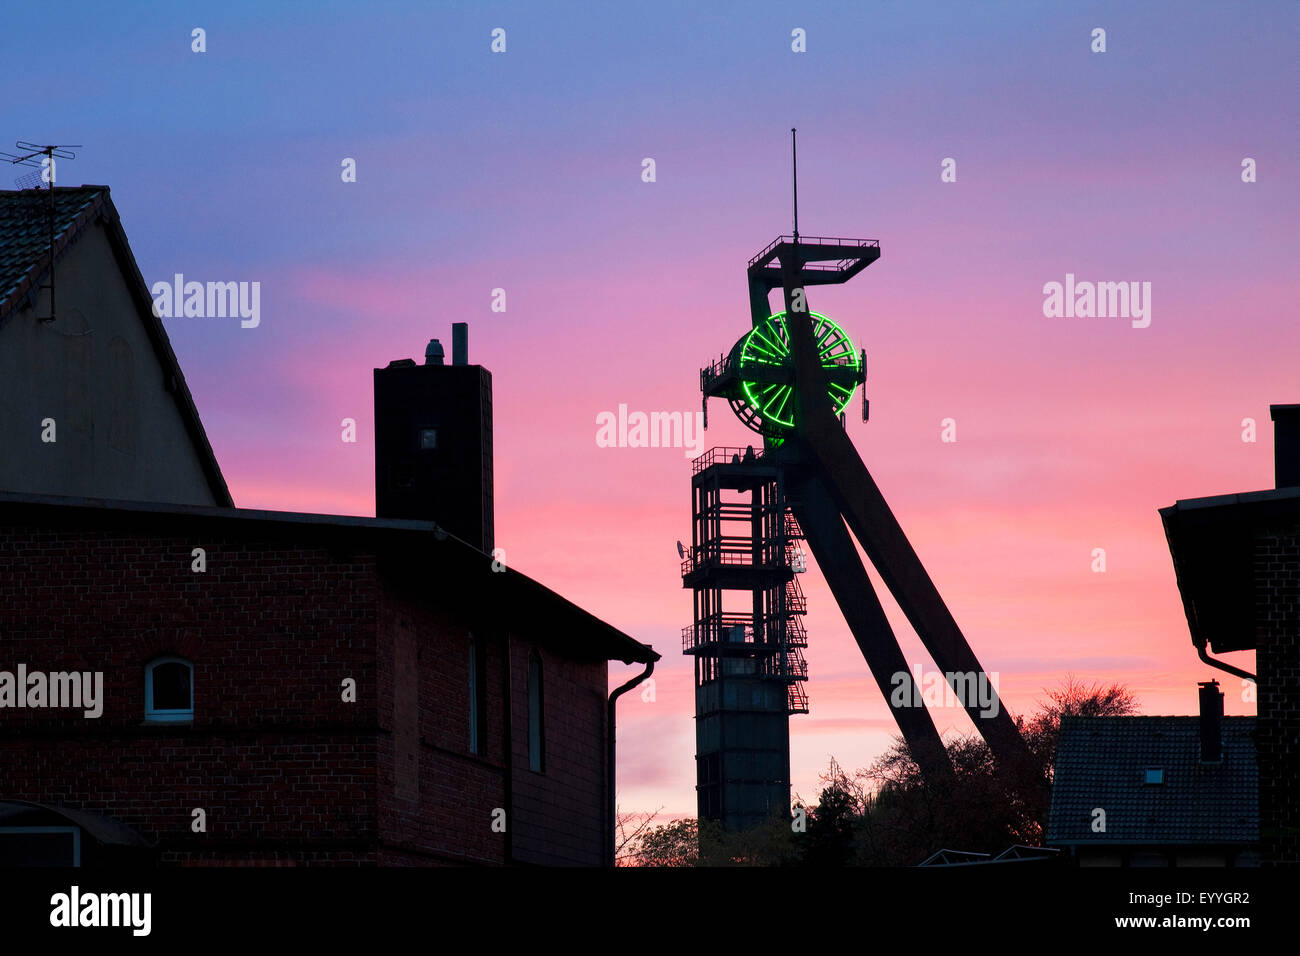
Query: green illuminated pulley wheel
point(764, 364)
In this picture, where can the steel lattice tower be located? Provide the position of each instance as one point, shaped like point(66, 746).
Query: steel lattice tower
point(790, 379)
point(747, 636)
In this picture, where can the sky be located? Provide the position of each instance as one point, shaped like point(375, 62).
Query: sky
point(523, 170)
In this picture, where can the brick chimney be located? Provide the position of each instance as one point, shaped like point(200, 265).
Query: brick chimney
point(1211, 722)
point(433, 442)
point(1286, 445)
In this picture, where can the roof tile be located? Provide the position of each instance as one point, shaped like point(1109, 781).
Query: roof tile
point(1101, 763)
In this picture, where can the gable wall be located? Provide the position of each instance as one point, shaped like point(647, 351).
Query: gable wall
point(120, 433)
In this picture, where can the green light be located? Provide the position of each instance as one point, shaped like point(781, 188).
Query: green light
point(768, 345)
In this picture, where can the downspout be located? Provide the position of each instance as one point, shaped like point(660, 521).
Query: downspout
point(612, 822)
point(1200, 651)
point(507, 705)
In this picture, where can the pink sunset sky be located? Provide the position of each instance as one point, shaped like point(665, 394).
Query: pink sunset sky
point(523, 172)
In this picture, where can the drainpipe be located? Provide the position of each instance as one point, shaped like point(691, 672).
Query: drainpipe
point(612, 822)
point(508, 734)
point(1200, 651)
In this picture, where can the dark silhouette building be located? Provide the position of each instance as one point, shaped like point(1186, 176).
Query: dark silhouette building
point(93, 403)
point(273, 688)
point(1237, 559)
point(1212, 790)
point(433, 441)
point(1157, 791)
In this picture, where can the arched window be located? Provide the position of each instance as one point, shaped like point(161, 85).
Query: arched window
point(536, 715)
point(169, 690)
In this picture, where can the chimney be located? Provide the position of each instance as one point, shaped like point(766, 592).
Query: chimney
point(1286, 445)
point(433, 442)
point(460, 343)
point(1211, 722)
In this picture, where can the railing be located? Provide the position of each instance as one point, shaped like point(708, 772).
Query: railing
point(851, 359)
point(719, 628)
point(716, 370)
point(796, 668)
point(739, 629)
point(725, 366)
point(713, 455)
point(795, 602)
point(816, 241)
point(795, 634)
point(736, 559)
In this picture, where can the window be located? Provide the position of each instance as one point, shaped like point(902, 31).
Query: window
point(428, 438)
point(169, 690)
point(477, 695)
point(1155, 776)
point(536, 721)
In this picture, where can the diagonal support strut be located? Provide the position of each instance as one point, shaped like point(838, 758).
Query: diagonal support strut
point(856, 496)
point(823, 528)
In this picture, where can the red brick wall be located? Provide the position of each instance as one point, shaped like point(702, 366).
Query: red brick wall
point(559, 813)
point(451, 820)
point(274, 758)
point(286, 772)
point(1277, 664)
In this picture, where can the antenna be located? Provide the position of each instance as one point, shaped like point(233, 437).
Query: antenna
point(30, 180)
point(794, 157)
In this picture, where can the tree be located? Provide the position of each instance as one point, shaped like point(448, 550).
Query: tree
point(771, 843)
point(690, 842)
point(889, 814)
point(669, 844)
point(628, 829)
point(1074, 699)
point(831, 836)
point(980, 809)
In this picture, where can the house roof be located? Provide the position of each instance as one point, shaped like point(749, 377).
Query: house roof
point(1211, 542)
point(1101, 762)
point(422, 556)
point(24, 266)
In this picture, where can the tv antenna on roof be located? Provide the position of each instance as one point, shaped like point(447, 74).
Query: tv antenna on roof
point(32, 180)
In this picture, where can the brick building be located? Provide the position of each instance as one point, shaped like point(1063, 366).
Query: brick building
point(184, 682)
point(1157, 791)
point(1237, 559)
point(1208, 790)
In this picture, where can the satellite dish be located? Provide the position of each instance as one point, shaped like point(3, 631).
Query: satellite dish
point(681, 552)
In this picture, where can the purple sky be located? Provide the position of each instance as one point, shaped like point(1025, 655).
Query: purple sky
point(522, 171)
